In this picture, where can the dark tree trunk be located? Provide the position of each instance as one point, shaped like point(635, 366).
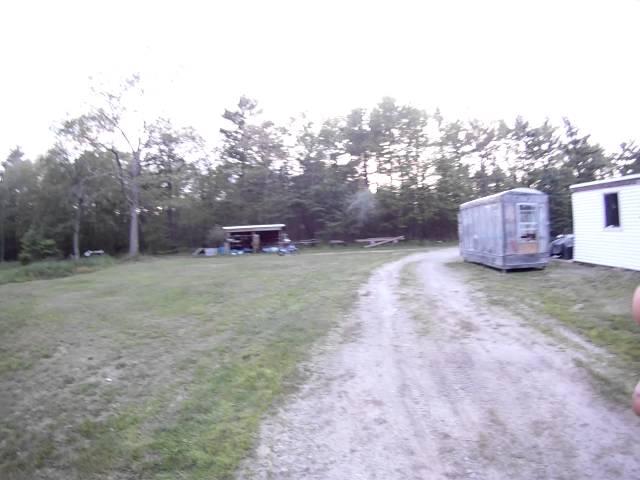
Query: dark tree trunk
point(365, 169)
point(77, 218)
point(172, 228)
point(134, 224)
point(131, 190)
point(171, 224)
point(2, 235)
point(134, 206)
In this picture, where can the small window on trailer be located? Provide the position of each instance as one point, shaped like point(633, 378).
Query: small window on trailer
point(611, 210)
point(527, 222)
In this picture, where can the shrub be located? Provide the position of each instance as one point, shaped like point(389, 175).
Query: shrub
point(24, 258)
point(216, 236)
point(48, 269)
point(33, 246)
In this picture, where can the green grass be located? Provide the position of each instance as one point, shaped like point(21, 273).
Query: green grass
point(13, 272)
point(593, 302)
point(353, 246)
point(163, 368)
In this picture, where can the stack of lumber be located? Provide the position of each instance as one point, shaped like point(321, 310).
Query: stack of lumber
point(377, 241)
point(310, 242)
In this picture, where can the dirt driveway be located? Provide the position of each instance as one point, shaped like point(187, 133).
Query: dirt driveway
point(474, 393)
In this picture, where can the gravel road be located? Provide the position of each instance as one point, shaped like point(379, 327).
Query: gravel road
point(475, 394)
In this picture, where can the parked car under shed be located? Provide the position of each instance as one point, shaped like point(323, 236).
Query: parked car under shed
point(562, 246)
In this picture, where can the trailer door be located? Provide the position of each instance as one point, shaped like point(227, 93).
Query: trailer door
point(527, 228)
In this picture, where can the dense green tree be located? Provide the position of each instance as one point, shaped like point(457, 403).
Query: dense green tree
point(115, 127)
point(394, 169)
point(627, 160)
point(253, 171)
point(453, 184)
point(20, 194)
point(4, 193)
point(384, 123)
point(307, 203)
point(358, 143)
point(587, 160)
point(72, 187)
point(169, 171)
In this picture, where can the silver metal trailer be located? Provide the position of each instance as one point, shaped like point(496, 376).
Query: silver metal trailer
point(508, 230)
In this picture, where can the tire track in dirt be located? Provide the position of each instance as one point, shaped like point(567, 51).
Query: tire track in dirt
point(481, 395)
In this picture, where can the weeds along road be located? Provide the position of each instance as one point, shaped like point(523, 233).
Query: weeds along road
point(424, 382)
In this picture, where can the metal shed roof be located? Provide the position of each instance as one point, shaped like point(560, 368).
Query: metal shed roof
point(495, 196)
point(254, 228)
point(608, 182)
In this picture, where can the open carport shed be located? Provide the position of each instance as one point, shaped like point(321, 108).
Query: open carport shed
point(239, 237)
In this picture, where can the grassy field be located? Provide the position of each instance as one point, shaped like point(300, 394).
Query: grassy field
point(160, 368)
point(590, 301)
point(13, 272)
point(354, 246)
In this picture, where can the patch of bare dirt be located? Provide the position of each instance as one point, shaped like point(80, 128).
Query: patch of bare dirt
point(481, 395)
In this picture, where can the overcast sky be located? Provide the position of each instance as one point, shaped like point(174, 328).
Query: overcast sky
point(483, 59)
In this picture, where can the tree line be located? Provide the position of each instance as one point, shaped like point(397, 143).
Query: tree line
point(115, 181)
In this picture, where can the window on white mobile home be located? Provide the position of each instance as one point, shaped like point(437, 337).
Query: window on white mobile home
point(611, 210)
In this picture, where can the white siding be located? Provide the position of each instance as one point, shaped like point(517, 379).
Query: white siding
point(619, 247)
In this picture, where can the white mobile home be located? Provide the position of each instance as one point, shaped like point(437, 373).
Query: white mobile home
point(606, 222)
